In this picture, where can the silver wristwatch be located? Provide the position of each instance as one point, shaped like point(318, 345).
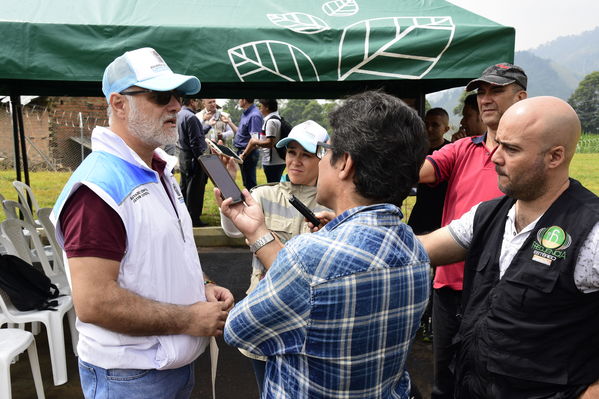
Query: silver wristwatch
point(262, 241)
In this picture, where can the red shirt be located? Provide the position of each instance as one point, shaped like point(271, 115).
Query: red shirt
point(92, 228)
point(471, 178)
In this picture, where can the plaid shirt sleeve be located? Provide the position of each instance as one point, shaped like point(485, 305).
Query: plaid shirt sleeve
point(272, 320)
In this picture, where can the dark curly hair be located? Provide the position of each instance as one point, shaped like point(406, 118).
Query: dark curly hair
point(386, 140)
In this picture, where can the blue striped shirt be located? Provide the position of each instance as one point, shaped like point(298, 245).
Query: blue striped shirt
point(337, 310)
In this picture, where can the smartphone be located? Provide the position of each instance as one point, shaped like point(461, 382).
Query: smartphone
point(224, 150)
point(304, 210)
point(221, 177)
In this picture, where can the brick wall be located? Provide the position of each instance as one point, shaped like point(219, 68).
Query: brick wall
point(37, 136)
point(51, 124)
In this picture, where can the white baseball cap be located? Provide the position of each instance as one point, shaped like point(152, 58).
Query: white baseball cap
point(307, 134)
point(145, 68)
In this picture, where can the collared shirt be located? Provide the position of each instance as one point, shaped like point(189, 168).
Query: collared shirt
point(471, 178)
point(337, 309)
point(280, 217)
point(586, 272)
point(251, 122)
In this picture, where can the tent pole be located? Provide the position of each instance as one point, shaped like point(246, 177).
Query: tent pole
point(421, 103)
point(23, 142)
point(15, 102)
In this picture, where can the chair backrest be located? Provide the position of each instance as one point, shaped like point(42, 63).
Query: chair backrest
point(43, 216)
point(10, 210)
point(6, 306)
point(24, 191)
point(13, 229)
point(7, 245)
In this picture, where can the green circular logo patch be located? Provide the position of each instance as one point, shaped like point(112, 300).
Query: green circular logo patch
point(554, 237)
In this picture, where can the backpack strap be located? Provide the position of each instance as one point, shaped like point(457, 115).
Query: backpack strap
point(277, 117)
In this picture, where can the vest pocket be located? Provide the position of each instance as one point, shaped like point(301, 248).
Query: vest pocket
point(526, 367)
point(535, 275)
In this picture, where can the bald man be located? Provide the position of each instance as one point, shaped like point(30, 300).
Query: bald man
point(529, 309)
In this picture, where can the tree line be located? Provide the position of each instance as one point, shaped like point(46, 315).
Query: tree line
point(584, 100)
point(294, 111)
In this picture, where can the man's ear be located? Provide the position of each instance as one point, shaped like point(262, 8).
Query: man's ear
point(118, 104)
point(346, 167)
point(556, 156)
point(522, 95)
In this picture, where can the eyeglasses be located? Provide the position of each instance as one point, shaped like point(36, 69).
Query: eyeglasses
point(161, 98)
point(322, 148)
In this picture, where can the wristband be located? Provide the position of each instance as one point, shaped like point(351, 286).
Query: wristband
point(206, 282)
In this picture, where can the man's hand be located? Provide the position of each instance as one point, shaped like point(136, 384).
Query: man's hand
point(247, 217)
point(208, 116)
point(324, 217)
point(215, 293)
point(207, 319)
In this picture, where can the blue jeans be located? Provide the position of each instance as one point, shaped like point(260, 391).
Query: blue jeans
point(99, 383)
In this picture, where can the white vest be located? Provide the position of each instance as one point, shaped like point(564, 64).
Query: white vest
point(161, 260)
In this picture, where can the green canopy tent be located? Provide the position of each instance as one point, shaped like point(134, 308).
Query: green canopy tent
point(259, 48)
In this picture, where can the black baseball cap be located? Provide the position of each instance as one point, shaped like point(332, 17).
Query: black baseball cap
point(501, 74)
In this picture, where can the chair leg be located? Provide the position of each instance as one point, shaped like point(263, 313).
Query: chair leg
point(57, 351)
point(72, 326)
point(5, 389)
point(35, 327)
point(35, 370)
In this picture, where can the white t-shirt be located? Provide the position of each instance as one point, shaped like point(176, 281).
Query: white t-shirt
point(272, 128)
point(586, 272)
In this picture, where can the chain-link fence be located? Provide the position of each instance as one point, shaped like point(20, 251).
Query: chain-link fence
point(57, 131)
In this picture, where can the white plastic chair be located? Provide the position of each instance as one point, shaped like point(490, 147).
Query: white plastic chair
point(11, 209)
point(14, 341)
point(17, 231)
point(43, 217)
point(24, 191)
point(53, 322)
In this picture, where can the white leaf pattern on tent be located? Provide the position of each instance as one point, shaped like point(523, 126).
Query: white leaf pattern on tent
point(392, 47)
point(259, 61)
point(340, 8)
point(299, 22)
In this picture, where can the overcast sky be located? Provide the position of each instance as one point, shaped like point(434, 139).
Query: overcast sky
point(537, 22)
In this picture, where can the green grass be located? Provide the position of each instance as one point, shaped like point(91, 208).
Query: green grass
point(588, 143)
point(47, 185)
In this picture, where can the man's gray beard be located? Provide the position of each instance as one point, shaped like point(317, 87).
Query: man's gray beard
point(152, 133)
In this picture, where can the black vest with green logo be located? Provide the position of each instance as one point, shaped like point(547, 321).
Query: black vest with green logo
point(533, 324)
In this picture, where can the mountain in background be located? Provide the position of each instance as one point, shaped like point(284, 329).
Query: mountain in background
point(553, 69)
point(547, 77)
point(578, 53)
